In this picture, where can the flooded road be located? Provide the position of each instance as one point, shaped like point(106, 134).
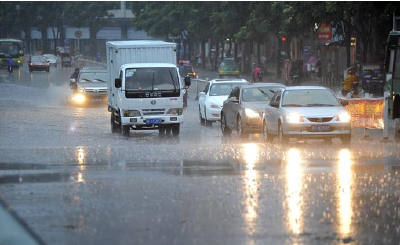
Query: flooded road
point(74, 182)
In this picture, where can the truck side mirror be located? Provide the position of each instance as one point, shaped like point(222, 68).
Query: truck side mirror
point(188, 82)
point(118, 83)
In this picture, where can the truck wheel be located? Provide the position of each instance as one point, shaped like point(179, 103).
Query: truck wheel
point(114, 126)
point(126, 130)
point(175, 129)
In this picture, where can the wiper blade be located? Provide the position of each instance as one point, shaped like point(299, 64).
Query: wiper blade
point(318, 104)
point(263, 92)
point(173, 81)
point(101, 80)
point(292, 105)
point(87, 80)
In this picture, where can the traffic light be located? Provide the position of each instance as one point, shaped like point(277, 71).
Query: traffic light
point(283, 38)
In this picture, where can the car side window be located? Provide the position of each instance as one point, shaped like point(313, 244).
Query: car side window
point(277, 97)
point(206, 88)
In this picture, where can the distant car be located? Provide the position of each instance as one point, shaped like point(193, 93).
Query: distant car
point(244, 109)
point(52, 59)
point(228, 67)
point(306, 112)
point(38, 62)
point(213, 97)
point(187, 70)
point(91, 86)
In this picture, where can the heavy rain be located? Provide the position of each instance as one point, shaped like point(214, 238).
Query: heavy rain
point(155, 138)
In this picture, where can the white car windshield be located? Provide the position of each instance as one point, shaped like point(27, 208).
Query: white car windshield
point(309, 98)
point(258, 94)
point(221, 89)
point(154, 78)
point(94, 77)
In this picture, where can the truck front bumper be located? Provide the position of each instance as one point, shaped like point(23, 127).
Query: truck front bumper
point(151, 121)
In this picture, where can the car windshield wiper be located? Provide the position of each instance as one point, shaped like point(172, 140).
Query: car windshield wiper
point(263, 92)
point(318, 104)
point(173, 81)
point(100, 80)
point(292, 105)
point(87, 80)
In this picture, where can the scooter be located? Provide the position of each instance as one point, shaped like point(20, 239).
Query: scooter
point(258, 78)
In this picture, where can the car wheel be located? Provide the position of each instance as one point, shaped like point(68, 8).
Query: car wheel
point(283, 139)
point(346, 139)
point(202, 121)
point(126, 130)
point(240, 128)
point(208, 123)
point(267, 136)
point(175, 129)
point(224, 128)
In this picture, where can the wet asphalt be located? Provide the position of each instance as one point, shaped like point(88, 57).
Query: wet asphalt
point(74, 182)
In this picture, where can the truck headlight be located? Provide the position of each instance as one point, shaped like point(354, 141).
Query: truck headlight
point(131, 113)
point(344, 117)
point(175, 111)
point(251, 113)
point(294, 118)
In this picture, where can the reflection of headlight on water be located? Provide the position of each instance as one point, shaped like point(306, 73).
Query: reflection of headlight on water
point(79, 98)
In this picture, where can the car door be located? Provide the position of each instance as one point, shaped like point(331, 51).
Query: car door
point(203, 99)
point(272, 113)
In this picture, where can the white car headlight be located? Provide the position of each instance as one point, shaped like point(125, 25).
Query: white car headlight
point(175, 111)
point(251, 113)
point(81, 90)
point(344, 117)
point(79, 98)
point(294, 118)
point(131, 113)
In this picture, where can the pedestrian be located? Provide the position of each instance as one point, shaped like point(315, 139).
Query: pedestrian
point(10, 64)
point(199, 61)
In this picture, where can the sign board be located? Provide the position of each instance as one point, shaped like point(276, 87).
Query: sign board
point(78, 34)
point(133, 34)
point(35, 34)
point(51, 35)
point(70, 32)
point(324, 33)
point(109, 33)
point(366, 113)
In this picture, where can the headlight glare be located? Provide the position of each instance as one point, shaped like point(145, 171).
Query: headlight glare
point(251, 113)
point(344, 117)
point(79, 98)
point(294, 118)
point(131, 113)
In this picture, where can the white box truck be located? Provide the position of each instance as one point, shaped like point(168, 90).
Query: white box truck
point(145, 90)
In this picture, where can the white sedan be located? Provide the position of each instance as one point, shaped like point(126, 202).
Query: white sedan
point(306, 112)
point(213, 97)
point(52, 59)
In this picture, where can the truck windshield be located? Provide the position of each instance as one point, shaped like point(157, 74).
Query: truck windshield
point(154, 78)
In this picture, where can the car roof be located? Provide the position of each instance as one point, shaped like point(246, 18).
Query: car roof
point(252, 85)
point(238, 80)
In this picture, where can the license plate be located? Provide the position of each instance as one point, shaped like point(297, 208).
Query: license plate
point(96, 100)
point(153, 121)
point(320, 128)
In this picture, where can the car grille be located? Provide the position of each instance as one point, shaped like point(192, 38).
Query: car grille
point(148, 112)
point(95, 91)
point(319, 119)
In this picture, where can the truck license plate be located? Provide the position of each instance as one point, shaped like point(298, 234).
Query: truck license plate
point(96, 100)
point(154, 121)
point(320, 128)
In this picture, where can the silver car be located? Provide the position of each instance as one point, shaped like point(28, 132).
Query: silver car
point(243, 110)
point(306, 112)
point(91, 86)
